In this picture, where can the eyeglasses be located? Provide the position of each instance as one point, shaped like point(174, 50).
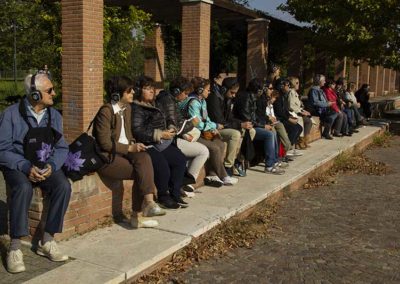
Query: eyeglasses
point(49, 91)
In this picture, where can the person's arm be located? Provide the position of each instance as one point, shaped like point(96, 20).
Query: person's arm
point(102, 131)
point(60, 153)
point(215, 109)
point(316, 101)
point(195, 110)
point(280, 111)
point(9, 158)
point(141, 127)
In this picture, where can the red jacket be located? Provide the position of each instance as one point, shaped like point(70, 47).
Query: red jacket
point(332, 97)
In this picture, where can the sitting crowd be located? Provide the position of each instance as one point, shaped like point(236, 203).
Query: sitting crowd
point(162, 140)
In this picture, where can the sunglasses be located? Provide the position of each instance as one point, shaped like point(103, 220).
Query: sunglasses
point(49, 91)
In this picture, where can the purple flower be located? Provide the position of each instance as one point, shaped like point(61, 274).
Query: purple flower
point(44, 153)
point(74, 161)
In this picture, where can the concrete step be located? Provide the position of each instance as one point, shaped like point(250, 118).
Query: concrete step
point(117, 253)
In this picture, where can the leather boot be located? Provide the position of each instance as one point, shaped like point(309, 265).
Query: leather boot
point(307, 141)
point(301, 144)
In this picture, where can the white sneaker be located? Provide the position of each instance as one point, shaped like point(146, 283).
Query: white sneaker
point(15, 261)
point(143, 222)
point(213, 181)
point(51, 251)
point(294, 153)
point(230, 180)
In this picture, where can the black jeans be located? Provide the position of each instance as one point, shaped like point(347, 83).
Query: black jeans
point(169, 168)
point(21, 190)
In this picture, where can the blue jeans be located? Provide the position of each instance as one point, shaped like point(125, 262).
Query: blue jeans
point(270, 140)
point(21, 191)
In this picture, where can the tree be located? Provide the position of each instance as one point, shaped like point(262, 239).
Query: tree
point(361, 29)
point(242, 2)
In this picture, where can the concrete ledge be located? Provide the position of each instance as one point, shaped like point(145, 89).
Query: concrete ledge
point(132, 252)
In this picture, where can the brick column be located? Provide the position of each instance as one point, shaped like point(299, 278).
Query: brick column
point(386, 81)
point(364, 73)
point(392, 84)
point(257, 48)
point(296, 42)
point(354, 73)
point(340, 68)
point(196, 29)
point(82, 63)
point(374, 80)
point(397, 84)
point(154, 55)
point(381, 80)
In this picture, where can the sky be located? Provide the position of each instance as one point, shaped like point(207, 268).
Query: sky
point(270, 7)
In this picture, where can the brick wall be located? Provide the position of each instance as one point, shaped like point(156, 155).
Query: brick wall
point(82, 63)
point(257, 49)
point(93, 201)
point(155, 55)
point(392, 85)
point(196, 25)
point(354, 73)
point(365, 72)
point(340, 68)
point(386, 82)
point(373, 80)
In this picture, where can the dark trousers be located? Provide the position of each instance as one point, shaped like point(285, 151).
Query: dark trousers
point(307, 125)
point(327, 122)
point(57, 187)
point(137, 167)
point(215, 164)
point(169, 168)
point(270, 141)
point(293, 131)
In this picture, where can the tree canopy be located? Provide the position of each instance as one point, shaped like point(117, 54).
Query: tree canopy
point(361, 29)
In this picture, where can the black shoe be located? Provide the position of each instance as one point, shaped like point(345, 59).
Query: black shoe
point(181, 202)
point(213, 181)
point(188, 179)
point(355, 130)
point(229, 171)
point(168, 203)
point(348, 134)
point(337, 134)
point(328, 137)
point(287, 159)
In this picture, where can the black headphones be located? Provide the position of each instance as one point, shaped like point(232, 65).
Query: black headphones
point(178, 90)
point(137, 89)
point(115, 97)
point(35, 95)
point(200, 88)
point(225, 89)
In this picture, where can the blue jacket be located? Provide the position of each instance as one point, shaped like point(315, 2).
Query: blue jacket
point(13, 129)
point(197, 108)
point(317, 98)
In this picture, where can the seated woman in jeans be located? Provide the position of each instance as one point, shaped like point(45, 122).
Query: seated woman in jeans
point(112, 130)
point(246, 110)
point(149, 126)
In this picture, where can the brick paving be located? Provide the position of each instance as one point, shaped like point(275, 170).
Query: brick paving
point(345, 233)
point(35, 265)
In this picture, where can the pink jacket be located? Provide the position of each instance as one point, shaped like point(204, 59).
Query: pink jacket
point(332, 97)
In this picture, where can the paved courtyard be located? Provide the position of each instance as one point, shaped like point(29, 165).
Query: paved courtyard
point(345, 233)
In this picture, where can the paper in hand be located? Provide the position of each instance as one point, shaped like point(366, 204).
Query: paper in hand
point(184, 124)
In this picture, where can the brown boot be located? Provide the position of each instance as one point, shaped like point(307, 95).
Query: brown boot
point(301, 144)
point(307, 141)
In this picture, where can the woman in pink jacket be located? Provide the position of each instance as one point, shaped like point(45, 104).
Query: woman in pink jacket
point(340, 126)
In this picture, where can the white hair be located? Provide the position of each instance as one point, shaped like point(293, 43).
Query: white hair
point(39, 79)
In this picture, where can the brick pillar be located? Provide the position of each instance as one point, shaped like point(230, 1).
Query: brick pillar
point(374, 80)
point(196, 29)
point(257, 48)
point(82, 63)
point(364, 73)
point(392, 84)
point(354, 73)
point(340, 68)
point(154, 55)
point(397, 84)
point(296, 42)
point(386, 81)
point(381, 80)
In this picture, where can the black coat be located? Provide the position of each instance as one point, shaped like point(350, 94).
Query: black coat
point(262, 103)
point(220, 110)
point(281, 108)
point(174, 118)
point(148, 122)
point(245, 108)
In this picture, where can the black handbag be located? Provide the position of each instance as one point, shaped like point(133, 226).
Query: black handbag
point(85, 157)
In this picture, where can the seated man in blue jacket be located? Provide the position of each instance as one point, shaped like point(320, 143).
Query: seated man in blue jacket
point(32, 152)
point(320, 106)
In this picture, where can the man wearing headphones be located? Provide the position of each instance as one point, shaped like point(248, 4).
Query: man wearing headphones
point(220, 106)
point(32, 152)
